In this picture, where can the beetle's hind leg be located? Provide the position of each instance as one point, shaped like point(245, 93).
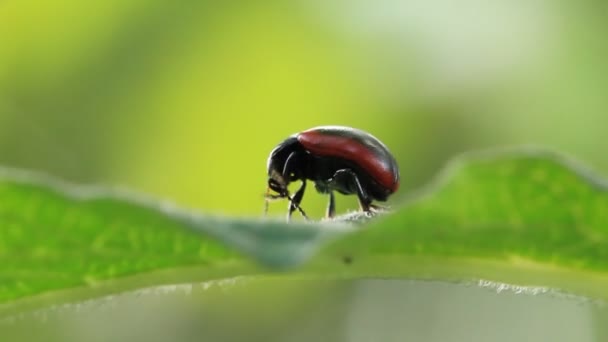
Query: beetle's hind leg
point(378, 208)
point(365, 201)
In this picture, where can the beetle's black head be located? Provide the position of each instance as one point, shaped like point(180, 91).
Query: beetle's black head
point(279, 176)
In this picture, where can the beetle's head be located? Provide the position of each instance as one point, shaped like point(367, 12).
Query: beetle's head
point(283, 168)
point(275, 167)
point(277, 183)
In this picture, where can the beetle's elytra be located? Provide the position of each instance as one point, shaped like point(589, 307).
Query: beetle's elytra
point(335, 158)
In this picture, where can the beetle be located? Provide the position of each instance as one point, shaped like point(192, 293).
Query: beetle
point(336, 158)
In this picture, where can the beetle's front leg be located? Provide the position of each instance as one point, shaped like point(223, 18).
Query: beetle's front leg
point(291, 173)
point(294, 203)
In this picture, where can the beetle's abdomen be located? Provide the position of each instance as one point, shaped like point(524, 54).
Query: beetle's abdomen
point(357, 147)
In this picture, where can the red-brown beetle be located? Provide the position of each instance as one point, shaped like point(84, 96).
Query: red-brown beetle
point(335, 158)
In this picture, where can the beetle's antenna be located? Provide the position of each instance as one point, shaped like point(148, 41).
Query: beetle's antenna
point(266, 200)
point(297, 207)
point(269, 197)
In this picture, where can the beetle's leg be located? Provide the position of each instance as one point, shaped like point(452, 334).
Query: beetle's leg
point(290, 174)
point(331, 206)
point(295, 201)
point(365, 201)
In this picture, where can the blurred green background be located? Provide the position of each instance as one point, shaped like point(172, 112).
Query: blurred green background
point(184, 100)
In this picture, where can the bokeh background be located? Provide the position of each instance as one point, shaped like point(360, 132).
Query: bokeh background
point(184, 100)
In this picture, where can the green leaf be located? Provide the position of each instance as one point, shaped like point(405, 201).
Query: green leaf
point(88, 241)
point(530, 217)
